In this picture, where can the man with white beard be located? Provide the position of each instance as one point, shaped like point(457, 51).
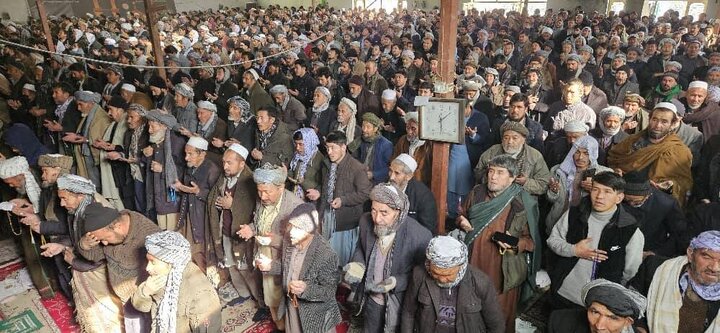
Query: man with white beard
point(533, 174)
point(609, 133)
point(700, 112)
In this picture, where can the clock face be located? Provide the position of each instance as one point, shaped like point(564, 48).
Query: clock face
point(442, 120)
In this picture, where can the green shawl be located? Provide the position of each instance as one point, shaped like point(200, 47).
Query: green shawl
point(481, 214)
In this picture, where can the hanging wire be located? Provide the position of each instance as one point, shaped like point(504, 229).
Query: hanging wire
point(112, 63)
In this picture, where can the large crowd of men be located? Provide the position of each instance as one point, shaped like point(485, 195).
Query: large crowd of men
point(281, 156)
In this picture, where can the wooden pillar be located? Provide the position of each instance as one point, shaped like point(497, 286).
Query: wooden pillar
point(113, 7)
point(151, 9)
point(449, 10)
point(46, 28)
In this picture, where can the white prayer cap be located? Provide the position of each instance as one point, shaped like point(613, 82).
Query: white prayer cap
point(389, 94)
point(13, 166)
point(253, 73)
point(198, 142)
point(207, 106)
point(548, 30)
point(129, 87)
point(666, 105)
point(239, 149)
point(408, 161)
point(29, 86)
point(698, 84)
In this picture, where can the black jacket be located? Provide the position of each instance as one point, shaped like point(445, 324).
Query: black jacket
point(616, 234)
point(422, 205)
point(662, 222)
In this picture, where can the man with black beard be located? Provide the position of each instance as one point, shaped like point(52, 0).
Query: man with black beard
point(161, 98)
point(658, 150)
point(517, 110)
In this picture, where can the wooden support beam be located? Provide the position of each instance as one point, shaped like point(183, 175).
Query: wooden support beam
point(449, 10)
point(46, 28)
point(96, 7)
point(113, 7)
point(151, 10)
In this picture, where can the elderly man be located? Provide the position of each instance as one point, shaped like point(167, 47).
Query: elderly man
point(365, 99)
point(617, 89)
point(177, 294)
point(659, 151)
point(322, 113)
point(231, 202)
point(273, 142)
point(452, 284)
point(185, 110)
point(420, 150)
point(210, 127)
point(253, 92)
point(391, 244)
point(130, 151)
point(502, 206)
point(122, 236)
point(636, 118)
point(98, 308)
point(346, 121)
point(164, 165)
point(533, 174)
point(202, 174)
point(392, 116)
point(421, 200)
point(273, 207)
point(569, 108)
point(581, 239)
point(91, 127)
point(373, 80)
point(293, 112)
point(309, 275)
point(609, 132)
point(373, 150)
point(609, 307)
point(701, 112)
point(684, 290)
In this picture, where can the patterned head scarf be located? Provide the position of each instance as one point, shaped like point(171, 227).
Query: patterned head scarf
point(707, 240)
point(311, 144)
point(245, 113)
point(607, 112)
point(172, 248)
point(447, 252)
point(388, 194)
point(619, 300)
point(281, 89)
point(270, 174)
point(75, 184)
point(568, 164)
point(16, 166)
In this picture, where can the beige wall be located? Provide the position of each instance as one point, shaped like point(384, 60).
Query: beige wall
point(18, 11)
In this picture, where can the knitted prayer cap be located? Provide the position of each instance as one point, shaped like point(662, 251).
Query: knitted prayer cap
point(162, 117)
point(304, 217)
point(373, 119)
point(324, 91)
point(75, 184)
point(270, 174)
point(185, 90)
point(239, 102)
point(14, 166)
point(88, 96)
point(636, 183)
point(349, 103)
point(98, 216)
point(515, 127)
point(446, 252)
point(207, 106)
point(619, 300)
point(612, 111)
point(168, 246)
point(63, 162)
